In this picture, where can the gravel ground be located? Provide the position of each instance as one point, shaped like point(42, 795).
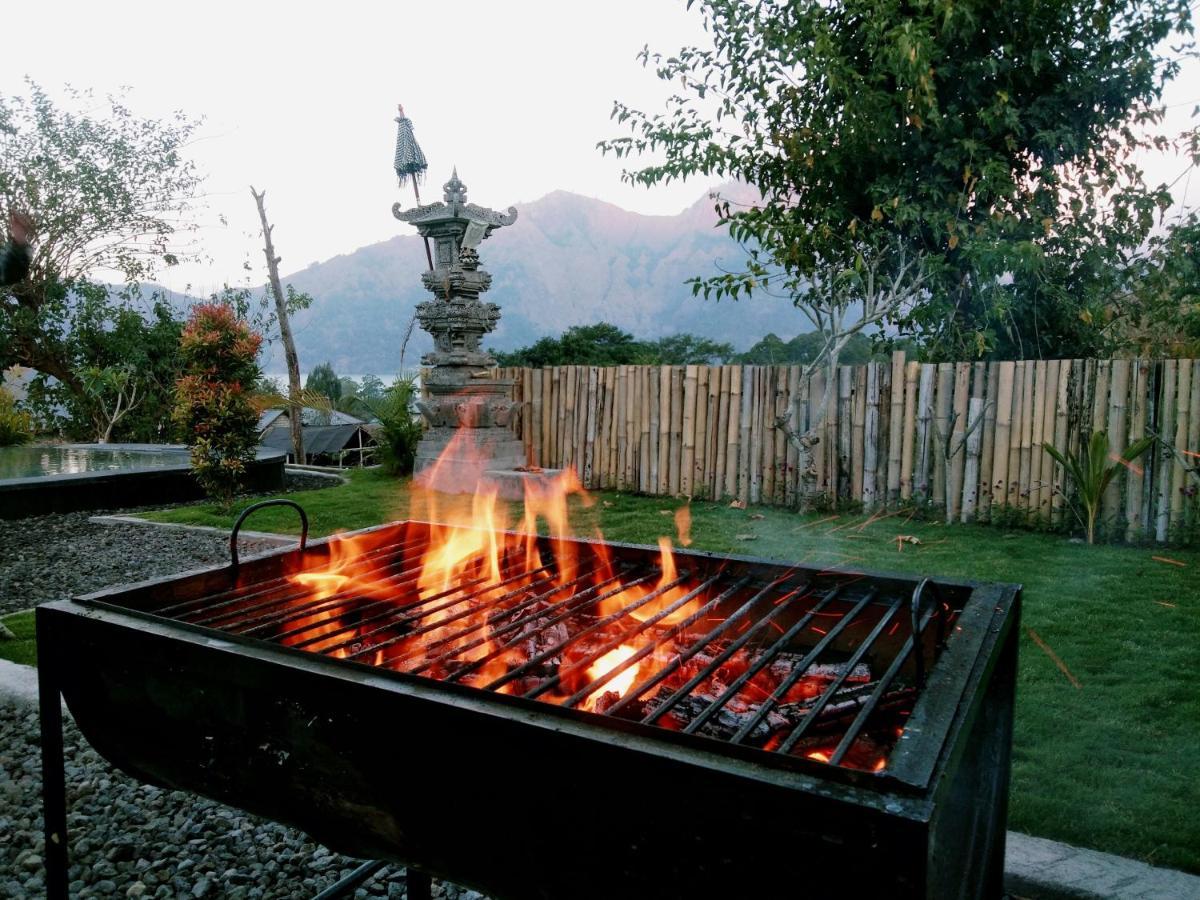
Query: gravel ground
point(128, 839)
point(58, 556)
point(131, 840)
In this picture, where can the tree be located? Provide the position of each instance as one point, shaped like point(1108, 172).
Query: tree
point(110, 194)
point(124, 352)
point(1162, 304)
point(323, 380)
point(604, 344)
point(285, 327)
point(993, 142)
point(688, 350)
point(213, 397)
point(804, 348)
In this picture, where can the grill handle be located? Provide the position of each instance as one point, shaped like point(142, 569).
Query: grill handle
point(254, 507)
point(915, 612)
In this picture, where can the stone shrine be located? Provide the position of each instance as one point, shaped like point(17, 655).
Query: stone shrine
point(468, 412)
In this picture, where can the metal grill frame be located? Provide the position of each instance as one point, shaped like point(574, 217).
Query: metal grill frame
point(128, 675)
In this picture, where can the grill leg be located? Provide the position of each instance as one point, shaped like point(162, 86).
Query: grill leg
point(420, 885)
point(54, 788)
point(345, 885)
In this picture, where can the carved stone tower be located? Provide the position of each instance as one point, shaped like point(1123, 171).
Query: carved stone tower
point(467, 411)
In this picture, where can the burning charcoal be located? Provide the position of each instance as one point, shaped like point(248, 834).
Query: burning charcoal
point(786, 663)
point(606, 700)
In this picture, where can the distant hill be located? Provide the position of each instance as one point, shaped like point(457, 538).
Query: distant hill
point(568, 260)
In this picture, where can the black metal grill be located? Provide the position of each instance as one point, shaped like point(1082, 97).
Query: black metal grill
point(712, 630)
point(777, 715)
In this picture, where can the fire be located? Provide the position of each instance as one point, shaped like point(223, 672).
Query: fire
point(620, 684)
point(533, 612)
point(683, 525)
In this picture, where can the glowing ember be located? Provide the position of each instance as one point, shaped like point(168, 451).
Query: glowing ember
point(605, 664)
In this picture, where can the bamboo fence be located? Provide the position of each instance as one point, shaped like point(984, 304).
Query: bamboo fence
point(714, 432)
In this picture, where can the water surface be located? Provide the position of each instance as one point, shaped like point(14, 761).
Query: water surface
point(73, 459)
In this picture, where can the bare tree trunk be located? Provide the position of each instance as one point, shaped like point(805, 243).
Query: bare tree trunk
point(285, 331)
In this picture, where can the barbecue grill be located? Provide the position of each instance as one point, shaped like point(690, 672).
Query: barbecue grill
point(563, 718)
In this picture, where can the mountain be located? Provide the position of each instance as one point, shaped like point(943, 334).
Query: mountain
point(568, 260)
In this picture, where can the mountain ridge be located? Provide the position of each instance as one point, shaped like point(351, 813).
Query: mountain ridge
point(568, 260)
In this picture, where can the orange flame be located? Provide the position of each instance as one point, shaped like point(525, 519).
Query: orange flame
point(605, 664)
point(683, 525)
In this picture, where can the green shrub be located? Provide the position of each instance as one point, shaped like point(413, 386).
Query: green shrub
point(1091, 472)
point(400, 430)
point(16, 425)
point(213, 397)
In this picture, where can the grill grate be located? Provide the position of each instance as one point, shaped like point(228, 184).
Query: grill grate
point(793, 662)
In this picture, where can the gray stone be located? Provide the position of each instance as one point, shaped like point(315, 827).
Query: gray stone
point(514, 485)
point(468, 411)
point(1047, 870)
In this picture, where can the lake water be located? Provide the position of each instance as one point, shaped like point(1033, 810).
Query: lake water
point(36, 461)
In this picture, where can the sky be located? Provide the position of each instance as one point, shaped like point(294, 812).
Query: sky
point(299, 99)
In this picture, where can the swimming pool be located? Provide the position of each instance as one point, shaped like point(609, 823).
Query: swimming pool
point(67, 477)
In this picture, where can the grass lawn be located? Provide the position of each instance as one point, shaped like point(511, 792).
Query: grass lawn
point(1110, 765)
point(23, 650)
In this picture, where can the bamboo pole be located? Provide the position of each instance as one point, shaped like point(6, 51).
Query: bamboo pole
point(589, 440)
point(665, 402)
point(700, 460)
point(797, 413)
point(610, 468)
point(720, 441)
point(908, 429)
point(745, 413)
point(1100, 397)
point(1179, 476)
point(988, 374)
point(858, 432)
point(870, 426)
point(1025, 492)
point(1135, 526)
point(896, 429)
point(673, 473)
point(712, 444)
point(538, 412)
point(1061, 423)
point(754, 461)
point(1002, 445)
point(733, 442)
point(1036, 454)
point(771, 434)
point(957, 463)
point(1165, 462)
point(1118, 428)
point(645, 452)
point(923, 475)
point(1013, 496)
point(943, 403)
point(820, 450)
point(688, 437)
point(783, 401)
point(972, 451)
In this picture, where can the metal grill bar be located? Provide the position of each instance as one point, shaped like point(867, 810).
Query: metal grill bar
point(474, 605)
point(540, 658)
point(816, 709)
point(721, 658)
point(675, 630)
point(452, 640)
point(231, 613)
point(767, 657)
point(799, 669)
point(240, 592)
point(613, 643)
point(889, 676)
point(670, 668)
point(573, 606)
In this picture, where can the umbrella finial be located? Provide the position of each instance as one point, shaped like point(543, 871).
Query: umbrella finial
point(409, 161)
